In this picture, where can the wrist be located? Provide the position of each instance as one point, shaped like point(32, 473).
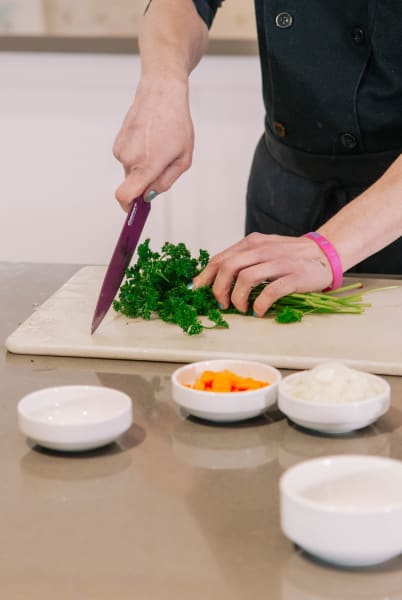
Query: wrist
point(332, 256)
point(157, 83)
point(155, 73)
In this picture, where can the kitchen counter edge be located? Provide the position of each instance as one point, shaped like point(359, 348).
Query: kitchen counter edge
point(109, 45)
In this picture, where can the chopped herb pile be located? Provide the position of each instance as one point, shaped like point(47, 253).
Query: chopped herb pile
point(158, 285)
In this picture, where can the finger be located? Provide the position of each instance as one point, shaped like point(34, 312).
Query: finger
point(288, 276)
point(249, 278)
point(273, 291)
point(240, 265)
point(207, 276)
point(135, 183)
point(165, 181)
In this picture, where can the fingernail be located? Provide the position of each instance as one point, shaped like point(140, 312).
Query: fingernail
point(221, 306)
point(151, 196)
point(254, 314)
point(190, 285)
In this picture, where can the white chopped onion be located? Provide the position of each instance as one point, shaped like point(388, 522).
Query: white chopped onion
point(333, 383)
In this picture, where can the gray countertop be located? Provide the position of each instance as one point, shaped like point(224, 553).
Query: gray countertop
point(177, 509)
point(108, 45)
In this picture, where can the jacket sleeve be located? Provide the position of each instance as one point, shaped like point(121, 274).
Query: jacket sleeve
point(207, 10)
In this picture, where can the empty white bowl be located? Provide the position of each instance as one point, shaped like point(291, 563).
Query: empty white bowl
point(330, 417)
point(345, 510)
point(225, 406)
point(74, 417)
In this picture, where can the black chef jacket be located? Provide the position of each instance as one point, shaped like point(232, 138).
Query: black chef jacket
point(331, 72)
point(332, 88)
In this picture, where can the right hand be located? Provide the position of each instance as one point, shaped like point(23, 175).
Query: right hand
point(290, 264)
point(155, 143)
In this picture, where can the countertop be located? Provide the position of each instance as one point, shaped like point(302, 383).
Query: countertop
point(177, 509)
point(109, 44)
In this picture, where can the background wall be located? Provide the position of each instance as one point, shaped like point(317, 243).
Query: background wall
point(102, 17)
point(59, 115)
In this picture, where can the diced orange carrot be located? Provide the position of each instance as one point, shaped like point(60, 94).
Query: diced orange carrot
point(225, 381)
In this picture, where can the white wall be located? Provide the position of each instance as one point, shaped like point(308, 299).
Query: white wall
point(59, 115)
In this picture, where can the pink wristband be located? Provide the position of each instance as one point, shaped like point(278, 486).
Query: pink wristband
point(332, 256)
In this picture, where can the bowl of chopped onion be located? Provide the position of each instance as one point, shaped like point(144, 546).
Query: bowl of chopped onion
point(225, 390)
point(333, 398)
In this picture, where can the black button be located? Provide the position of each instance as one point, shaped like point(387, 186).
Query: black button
point(283, 20)
point(348, 140)
point(279, 129)
point(358, 36)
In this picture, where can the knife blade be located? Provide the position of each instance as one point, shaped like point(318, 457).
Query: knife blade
point(122, 255)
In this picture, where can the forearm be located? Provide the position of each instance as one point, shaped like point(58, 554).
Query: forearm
point(370, 222)
point(156, 140)
point(173, 38)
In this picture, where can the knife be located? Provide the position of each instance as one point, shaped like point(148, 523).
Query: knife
point(121, 258)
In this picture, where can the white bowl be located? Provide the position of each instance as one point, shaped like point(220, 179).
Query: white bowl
point(225, 406)
point(74, 417)
point(345, 510)
point(342, 417)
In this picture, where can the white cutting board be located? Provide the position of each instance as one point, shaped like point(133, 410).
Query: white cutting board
point(370, 341)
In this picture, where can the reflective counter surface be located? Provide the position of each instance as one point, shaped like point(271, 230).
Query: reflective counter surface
point(178, 508)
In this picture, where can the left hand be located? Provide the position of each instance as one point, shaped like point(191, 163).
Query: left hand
point(290, 264)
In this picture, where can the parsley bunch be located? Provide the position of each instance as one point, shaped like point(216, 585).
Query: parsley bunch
point(157, 284)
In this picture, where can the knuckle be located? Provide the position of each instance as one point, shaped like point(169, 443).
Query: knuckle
point(128, 159)
point(244, 277)
point(283, 286)
point(254, 238)
point(187, 162)
point(183, 163)
point(116, 150)
point(215, 262)
point(227, 269)
point(125, 193)
point(162, 185)
point(120, 195)
point(165, 182)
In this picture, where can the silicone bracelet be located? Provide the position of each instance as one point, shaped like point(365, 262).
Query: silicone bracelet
point(332, 256)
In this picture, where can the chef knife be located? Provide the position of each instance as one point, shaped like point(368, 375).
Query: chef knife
point(121, 258)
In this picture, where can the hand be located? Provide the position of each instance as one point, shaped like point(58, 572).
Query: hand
point(290, 264)
point(155, 143)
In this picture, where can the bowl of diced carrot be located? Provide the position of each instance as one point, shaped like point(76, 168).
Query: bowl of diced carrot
point(225, 390)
